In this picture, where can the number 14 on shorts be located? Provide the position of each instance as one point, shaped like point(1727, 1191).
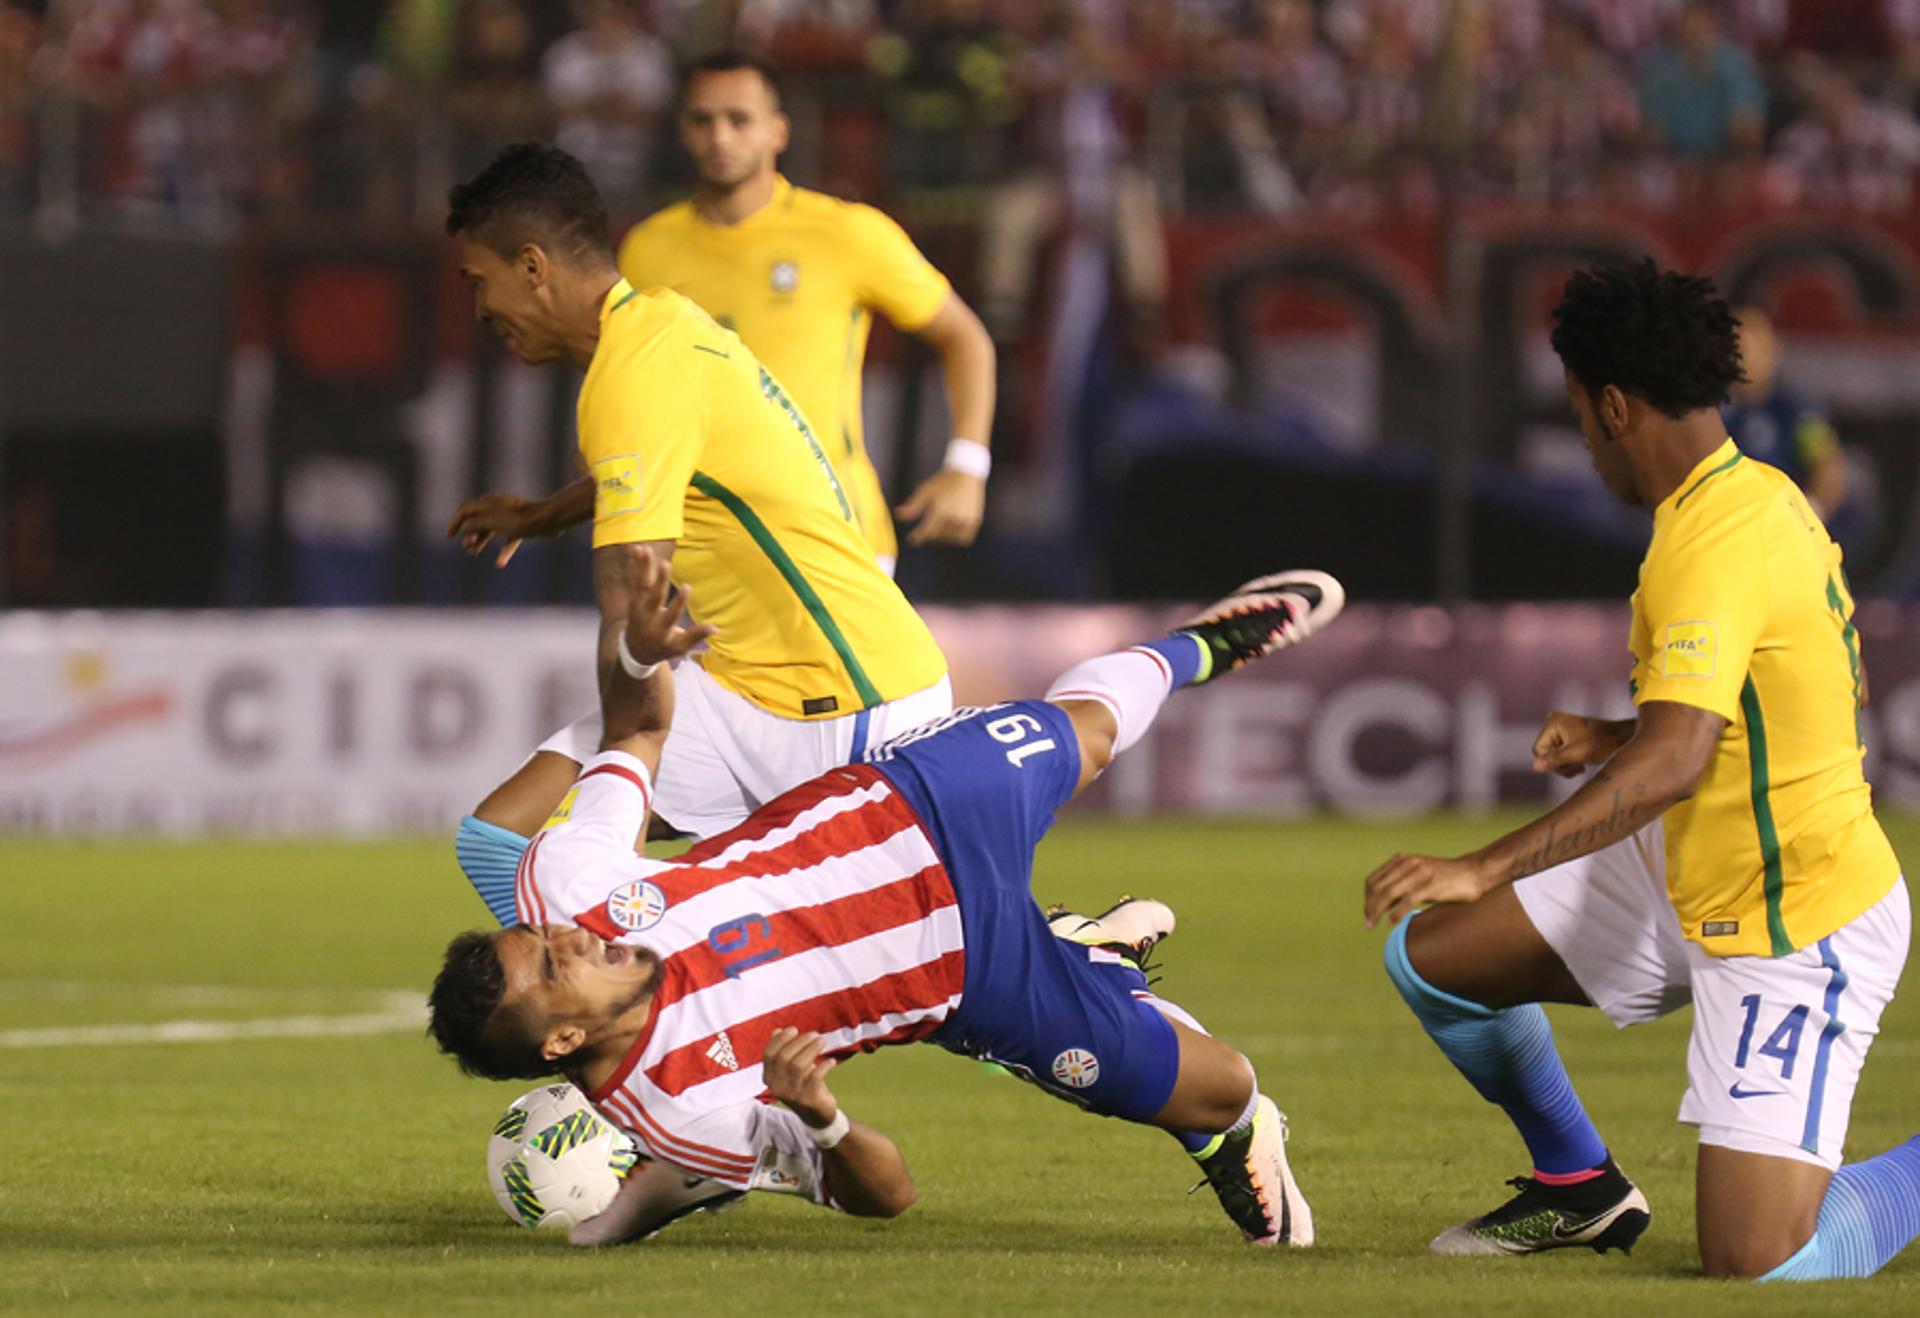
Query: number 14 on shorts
point(1782, 1044)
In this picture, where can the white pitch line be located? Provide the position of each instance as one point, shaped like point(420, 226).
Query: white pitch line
point(404, 1012)
point(179, 995)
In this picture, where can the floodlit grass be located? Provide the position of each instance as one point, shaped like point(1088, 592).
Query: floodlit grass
point(343, 1174)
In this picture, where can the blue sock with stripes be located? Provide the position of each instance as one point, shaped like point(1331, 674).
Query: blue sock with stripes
point(489, 855)
point(1871, 1213)
point(1185, 654)
point(1509, 1057)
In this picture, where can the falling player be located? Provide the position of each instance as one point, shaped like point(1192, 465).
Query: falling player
point(881, 903)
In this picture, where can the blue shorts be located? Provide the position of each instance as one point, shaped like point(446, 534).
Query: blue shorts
point(987, 782)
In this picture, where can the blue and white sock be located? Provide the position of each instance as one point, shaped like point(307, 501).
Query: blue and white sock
point(1871, 1213)
point(489, 856)
point(1509, 1057)
point(1133, 683)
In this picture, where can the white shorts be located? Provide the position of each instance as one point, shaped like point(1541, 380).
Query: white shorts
point(1778, 1042)
point(725, 756)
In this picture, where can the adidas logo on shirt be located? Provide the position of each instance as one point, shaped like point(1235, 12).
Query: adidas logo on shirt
point(722, 1052)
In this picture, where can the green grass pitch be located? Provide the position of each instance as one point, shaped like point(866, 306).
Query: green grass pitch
point(342, 1173)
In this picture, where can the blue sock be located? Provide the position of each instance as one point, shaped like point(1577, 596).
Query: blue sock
point(1193, 1141)
point(1510, 1058)
point(1185, 655)
point(1871, 1213)
point(489, 855)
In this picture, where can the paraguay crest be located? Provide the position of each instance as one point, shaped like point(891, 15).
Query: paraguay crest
point(637, 905)
point(1076, 1068)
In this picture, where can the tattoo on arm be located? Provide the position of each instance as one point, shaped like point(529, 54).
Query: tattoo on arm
point(1625, 815)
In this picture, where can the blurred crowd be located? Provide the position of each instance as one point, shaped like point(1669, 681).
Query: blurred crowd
point(210, 112)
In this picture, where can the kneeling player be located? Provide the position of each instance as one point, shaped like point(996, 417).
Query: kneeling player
point(1724, 852)
point(881, 903)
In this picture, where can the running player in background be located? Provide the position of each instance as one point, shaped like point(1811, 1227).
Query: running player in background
point(1774, 422)
point(879, 904)
point(799, 275)
point(695, 451)
point(1724, 851)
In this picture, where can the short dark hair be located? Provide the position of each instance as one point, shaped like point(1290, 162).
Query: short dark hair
point(465, 1019)
point(1668, 339)
point(532, 192)
point(734, 61)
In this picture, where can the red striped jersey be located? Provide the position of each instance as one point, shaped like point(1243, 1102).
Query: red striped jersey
point(828, 911)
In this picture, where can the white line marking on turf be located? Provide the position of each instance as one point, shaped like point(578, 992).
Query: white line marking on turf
point(401, 1012)
point(179, 995)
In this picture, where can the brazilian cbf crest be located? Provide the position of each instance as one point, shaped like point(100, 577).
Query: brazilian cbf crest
point(637, 905)
point(785, 276)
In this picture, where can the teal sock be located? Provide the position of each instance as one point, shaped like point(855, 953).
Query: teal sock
point(1871, 1213)
point(490, 856)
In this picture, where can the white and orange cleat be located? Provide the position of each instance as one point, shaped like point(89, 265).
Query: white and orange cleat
point(1264, 615)
point(1249, 1174)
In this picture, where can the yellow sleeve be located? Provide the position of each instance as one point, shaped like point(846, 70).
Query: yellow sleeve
point(893, 277)
point(1704, 599)
point(642, 433)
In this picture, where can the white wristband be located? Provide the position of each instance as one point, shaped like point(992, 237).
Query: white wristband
point(830, 1135)
point(638, 671)
point(969, 456)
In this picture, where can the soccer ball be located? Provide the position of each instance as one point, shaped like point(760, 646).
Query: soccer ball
point(553, 1161)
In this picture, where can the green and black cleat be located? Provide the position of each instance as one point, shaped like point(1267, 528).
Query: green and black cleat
point(1602, 1213)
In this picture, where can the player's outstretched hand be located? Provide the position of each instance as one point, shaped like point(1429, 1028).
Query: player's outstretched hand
point(1568, 743)
point(796, 1074)
point(1407, 882)
point(654, 609)
point(512, 517)
point(948, 507)
point(652, 1195)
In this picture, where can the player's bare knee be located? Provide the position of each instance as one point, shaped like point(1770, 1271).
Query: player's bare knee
point(524, 802)
point(1427, 939)
point(1096, 729)
point(891, 1203)
point(1237, 1089)
point(1744, 1260)
point(1752, 1244)
point(1224, 1100)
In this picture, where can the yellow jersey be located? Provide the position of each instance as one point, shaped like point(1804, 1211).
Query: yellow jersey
point(690, 439)
point(1743, 609)
point(799, 281)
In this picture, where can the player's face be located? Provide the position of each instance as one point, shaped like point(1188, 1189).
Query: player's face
point(507, 297)
point(1609, 453)
point(732, 128)
point(564, 974)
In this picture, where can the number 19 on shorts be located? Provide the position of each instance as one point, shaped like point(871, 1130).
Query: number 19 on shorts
point(1014, 731)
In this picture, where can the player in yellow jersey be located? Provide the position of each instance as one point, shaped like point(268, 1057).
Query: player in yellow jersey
point(1724, 850)
point(694, 450)
point(799, 276)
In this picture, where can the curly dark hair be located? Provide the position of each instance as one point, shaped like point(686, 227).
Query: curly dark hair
point(465, 1018)
point(1666, 338)
point(532, 192)
point(734, 61)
